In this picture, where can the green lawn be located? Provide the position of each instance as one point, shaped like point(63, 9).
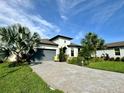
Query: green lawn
point(110, 66)
point(21, 79)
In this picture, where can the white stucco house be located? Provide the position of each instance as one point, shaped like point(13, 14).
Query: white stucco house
point(115, 49)
point(50, 47)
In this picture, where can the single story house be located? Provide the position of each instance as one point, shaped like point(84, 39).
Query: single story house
point(115, 49)
point(50, 47)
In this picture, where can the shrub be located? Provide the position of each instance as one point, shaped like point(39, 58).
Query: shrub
point(75, 60)
point(106, 57)
point(85, 62)
point(122, 59)
point(62, 56)
point(66, 57)
point(56, 58)
point(117, 59)
point(97, 59)
point(1, 61)
point(111, 59)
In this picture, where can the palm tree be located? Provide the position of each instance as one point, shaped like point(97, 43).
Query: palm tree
point(20, 41)
point(91, 43)
point(4, 53)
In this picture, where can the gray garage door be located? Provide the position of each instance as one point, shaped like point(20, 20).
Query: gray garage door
point(44, 55)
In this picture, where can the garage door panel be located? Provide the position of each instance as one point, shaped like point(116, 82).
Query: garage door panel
point(44, 55)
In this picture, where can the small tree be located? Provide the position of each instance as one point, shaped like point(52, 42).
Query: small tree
point(90, 44)
point(62, 56)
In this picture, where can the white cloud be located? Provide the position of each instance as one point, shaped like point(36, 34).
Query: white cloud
point(101, 10)
point(24, 3)
point(88, 6)
point(106, 12)
point(79, 35)
point(64, 17)
point(15, 12)
point(65, 6)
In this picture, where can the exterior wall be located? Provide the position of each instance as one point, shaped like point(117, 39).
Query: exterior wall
point(111, 52)
point(12, 58)
point(75, 51)
point(68, 52)
point(61, 42)
point(49, 47)
point(122, 52)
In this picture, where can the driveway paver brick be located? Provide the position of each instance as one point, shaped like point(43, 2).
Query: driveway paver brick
point(76, 79)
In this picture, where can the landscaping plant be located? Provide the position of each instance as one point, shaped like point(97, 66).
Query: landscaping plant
point(122, 59)
point(96, 59)
point(19, 41)
point(111, 59)
point(75, 60)
point(106, 57)
point(90, 44)
point(21, 79)
point(62, 56)
point(117, 59)
point(108, 65)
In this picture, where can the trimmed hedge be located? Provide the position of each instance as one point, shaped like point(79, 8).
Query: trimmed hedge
point(111, 59)
point(122, 59)
point(97, 59)
point(117, 59)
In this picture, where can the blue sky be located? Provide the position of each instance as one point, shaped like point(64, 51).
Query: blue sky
point(72, 18)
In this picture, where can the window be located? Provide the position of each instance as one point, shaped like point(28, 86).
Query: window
point(117, 51)
point(78, 50)
point(64, 41)
point(72, 52)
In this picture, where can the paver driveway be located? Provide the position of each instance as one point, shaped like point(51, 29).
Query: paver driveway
point(76, 79)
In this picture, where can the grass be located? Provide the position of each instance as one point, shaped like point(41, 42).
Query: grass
point(108, 65)
point(21, 79)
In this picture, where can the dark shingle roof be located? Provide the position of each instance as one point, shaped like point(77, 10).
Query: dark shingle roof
point(61, 37)
point(74, 45)
point(47, 42)
point(115, 44)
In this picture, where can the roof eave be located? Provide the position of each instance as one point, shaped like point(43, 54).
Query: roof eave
point(75, 46)
point(55, 37)
point(50, 44)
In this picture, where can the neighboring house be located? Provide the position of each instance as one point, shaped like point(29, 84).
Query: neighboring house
point(115, 49)
point(50, 48)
